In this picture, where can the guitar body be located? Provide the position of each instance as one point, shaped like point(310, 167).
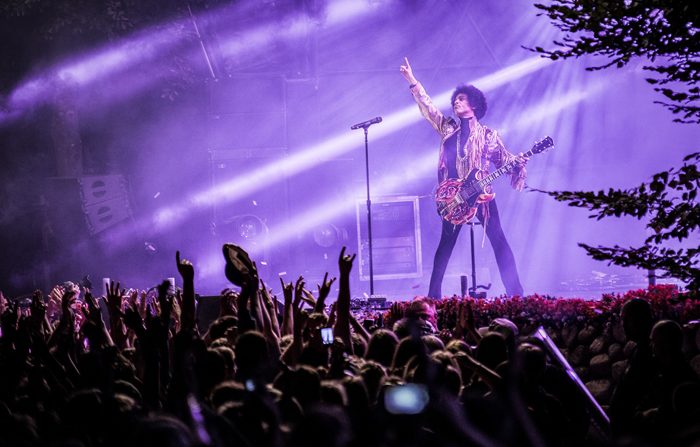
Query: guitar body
point(458, 200)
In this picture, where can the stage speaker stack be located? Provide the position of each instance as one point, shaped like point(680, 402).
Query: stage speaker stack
point(88, 203)
point(82, 216)
point(396, 246)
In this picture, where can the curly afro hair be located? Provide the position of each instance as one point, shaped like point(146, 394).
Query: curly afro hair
point(476, 99)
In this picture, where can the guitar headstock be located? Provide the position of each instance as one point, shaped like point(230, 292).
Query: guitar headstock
point(544, 144)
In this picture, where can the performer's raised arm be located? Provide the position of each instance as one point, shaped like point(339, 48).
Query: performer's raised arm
point(427, 108)
point(407, 73)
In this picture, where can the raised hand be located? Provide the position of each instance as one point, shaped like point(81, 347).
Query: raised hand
point(325, 289)
point(288, 291)
point(266, 293)
point(345, 262)
point(37, 308)
point(10, 318)
point(288, 316)
point(445, 335)
point(3, 303)
point(342, 316)
point(92, 310)
point(331, 317)
point(396, 311)
point(68, 302)
point(469, 321)
point(185, 268)
point(133, 300)
point(55, 298)
point(308, 297)
point(142, 304)
point(114, 297)
point(176, 310)
point(298, 291)
point(270, 303)
point(407, 72)
point(300, 319)
point(188, 309)
point(133, 320)
point(114, 308)
point(165, 302)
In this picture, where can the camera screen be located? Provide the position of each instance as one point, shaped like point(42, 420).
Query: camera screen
point(406, 399)
point(327, 335)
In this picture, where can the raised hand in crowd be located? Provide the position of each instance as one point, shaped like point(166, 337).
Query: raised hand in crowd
point(140, 304)
point(255, 306)
point(187, 305)
point(37, 314)
point(149, 349)
point(114, 309)
point(342, 323)
point(63, 334)
point(358, 328)
point(93, 317)
point(165, 303)
point(323, 291)
point(331, 317)
point(268, 328)
point(270, 303)
point(249, 288)
point(308, 298)
point(445, 335)
point(396, 312)
point(469, 323)
point(288, 317)
point(299, 291)
point(68, 301)
point(54, 304)
point(460, 323)
point(298, 319)
point(132, 319)
point(176, 310)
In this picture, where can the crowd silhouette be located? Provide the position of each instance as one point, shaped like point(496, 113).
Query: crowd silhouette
point(133, 368)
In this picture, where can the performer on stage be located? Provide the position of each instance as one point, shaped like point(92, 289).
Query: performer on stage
point(467, 145)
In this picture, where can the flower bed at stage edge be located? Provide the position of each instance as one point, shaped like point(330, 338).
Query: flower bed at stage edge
point(588, 332)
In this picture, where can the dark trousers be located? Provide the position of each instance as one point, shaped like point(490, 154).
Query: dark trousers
point(504, 255)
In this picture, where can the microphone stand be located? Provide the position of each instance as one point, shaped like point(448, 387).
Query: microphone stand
point(472, 289)
point(369, 216)
point(365, 125)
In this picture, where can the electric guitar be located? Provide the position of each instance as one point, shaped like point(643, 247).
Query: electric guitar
point(457, 200)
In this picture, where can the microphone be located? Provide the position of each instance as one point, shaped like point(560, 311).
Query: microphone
point(368, 123)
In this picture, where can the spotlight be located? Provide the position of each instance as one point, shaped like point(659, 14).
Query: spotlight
point(326, 234)
point(248, 226)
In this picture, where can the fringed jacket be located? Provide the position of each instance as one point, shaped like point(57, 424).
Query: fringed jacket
point(482, 142)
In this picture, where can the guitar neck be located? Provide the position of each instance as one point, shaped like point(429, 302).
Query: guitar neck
point(499, 172)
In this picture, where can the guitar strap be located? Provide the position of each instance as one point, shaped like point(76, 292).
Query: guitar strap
point(474, 148)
